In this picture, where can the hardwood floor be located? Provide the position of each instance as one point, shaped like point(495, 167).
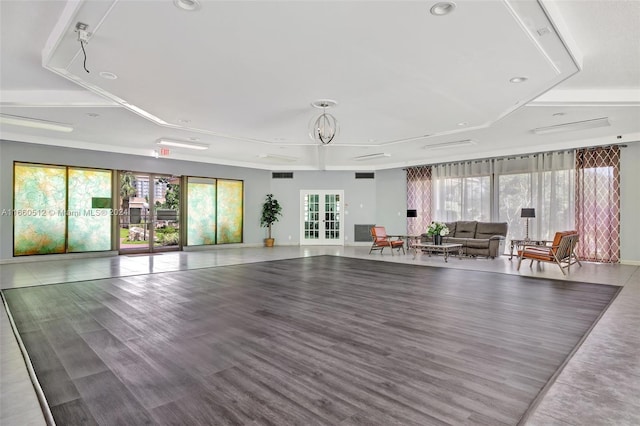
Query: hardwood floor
point(317, 340)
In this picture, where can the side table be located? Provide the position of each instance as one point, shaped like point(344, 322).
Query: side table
point(516, 243)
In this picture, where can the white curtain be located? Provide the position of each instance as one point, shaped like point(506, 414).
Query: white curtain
point(462, 191)
point(545, 182)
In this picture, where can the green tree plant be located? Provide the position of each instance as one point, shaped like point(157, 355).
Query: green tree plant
point(271, 212)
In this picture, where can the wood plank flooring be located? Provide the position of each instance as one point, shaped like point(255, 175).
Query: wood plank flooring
point(309, 341)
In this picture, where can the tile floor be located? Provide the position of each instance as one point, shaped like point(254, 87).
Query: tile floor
point(600, 384)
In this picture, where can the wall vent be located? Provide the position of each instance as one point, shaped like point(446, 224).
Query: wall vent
point(365, 175)
point(282, 175)
point(362, 233)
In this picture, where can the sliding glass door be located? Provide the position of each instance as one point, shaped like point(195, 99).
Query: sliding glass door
point(149, 213)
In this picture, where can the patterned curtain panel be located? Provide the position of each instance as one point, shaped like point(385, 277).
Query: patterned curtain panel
point(598, 204)
point(419, 198)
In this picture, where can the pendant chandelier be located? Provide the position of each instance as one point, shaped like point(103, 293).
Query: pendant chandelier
point(324, 128)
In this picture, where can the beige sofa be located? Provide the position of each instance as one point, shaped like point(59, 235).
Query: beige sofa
point(477, 238)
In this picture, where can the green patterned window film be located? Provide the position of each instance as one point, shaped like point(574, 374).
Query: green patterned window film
point(89, 229)
point(40, 194)
point(230, 206)
point(201, 208)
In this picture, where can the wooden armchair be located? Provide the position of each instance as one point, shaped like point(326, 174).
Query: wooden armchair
point(382, 240)
point(561, 251)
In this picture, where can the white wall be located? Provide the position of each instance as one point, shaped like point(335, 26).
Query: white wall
point(361, 197)
point(630, 204)
point(391, 200)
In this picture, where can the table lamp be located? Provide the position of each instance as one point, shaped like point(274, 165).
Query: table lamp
point(527, 213)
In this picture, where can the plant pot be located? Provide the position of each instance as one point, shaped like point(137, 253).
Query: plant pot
point(268, 242)
point(437, 240)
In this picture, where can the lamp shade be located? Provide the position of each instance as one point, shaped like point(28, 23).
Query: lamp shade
point(412, 213)
point(528, 213)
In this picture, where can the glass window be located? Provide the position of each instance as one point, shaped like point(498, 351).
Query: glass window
point(61, 209)
point(229, 211)
point(40, 196)
point(201, 211)
point(89, 228)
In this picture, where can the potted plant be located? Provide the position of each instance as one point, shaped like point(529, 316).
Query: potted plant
point(437, 230)
point(271, 211)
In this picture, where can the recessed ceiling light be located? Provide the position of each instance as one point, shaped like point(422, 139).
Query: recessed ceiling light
point(194, 139)
point(462, 123)
point(190, 5)
point(93, 114)
point(518, 79)
point(559, 114)
point(184, 121)
point(108, 75)
point(443, 8)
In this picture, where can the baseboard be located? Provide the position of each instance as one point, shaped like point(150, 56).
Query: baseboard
point(630, 262)
point(65, 256)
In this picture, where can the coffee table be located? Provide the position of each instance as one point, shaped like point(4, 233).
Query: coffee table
point(437, 248)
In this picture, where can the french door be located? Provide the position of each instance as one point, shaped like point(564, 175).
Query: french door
point(321, 217)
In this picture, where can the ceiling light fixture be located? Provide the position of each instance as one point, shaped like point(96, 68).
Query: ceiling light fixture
point(183, 144)
point(189, 5)
point(372, 156)
point(34, 123)
point(443, 8)
point(576, 125)
point(453, 144)
point(325, 128)
point(518, 80)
